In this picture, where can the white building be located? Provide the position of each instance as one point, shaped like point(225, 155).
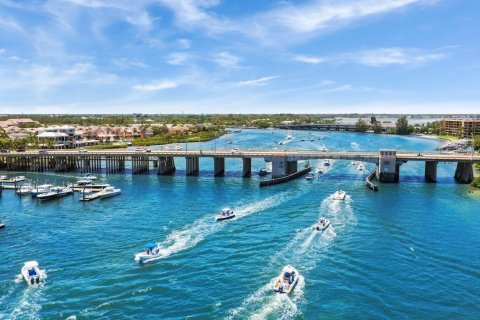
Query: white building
point(61, 137)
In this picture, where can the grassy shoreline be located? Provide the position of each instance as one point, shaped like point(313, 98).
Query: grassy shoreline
point(167, 139)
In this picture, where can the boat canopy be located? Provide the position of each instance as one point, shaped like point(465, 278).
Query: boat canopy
point(150, 245)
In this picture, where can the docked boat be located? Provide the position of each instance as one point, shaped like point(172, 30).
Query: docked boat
point(310, 176)
point(262, 172)
point(287, 280)
point(322, 224)
point(25, 189)
point(84, 184)
point(339, 195)
point(43, 188)
point(55, 193)
point(32, 273)
point(109, 192)
point(89, 176)
point(225, 214)
point(152, 251)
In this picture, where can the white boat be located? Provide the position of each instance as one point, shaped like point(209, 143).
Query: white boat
point(43, 188)
point(25, 189)
point(287, 280)
point(109, 192)
point(326, 163)
point(225, 214)
point(310, 176)
point(177, 147)
point(32, 273)
point(322, 224)
point(289, 136)
point(353, 163)
point(361, 168)
point(55, 193)
point(152, 251)
point(339, 195)
point(323, 149)
point(268, 167)
point(89, 176)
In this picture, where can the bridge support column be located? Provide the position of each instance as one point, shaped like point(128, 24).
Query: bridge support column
point(292, 167)
point(191, 168)
point(166, 165)
point(388, 170)
point(464, 172)
point(279, 167)
point(218, 167)
point(247, 167)
point(431, 171)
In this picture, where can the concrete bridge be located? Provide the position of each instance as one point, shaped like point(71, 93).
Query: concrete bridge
point(283, 162)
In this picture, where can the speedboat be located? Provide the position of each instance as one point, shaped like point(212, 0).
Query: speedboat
point(310, 176)
point(25, 189)
point(262, 172)
point(32, 273)
point(225, 214)
point(280, 143)
point(360, 168)
point(43, 188)
point(287, 280)
point(289, 136)
point(339, 195)
point(109, 192)
point(152, 251)
point(2, 225)
point(55, 193)
point(353, 163)
point(326, 163)
point(322, 224)
point(89, 176)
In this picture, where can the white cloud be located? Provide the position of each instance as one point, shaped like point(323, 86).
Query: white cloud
point(141, 20)
point(184, 43)
point(255, 82)
point(309, 59)
point(156, 86)
point(226, 60)
point(124, 63)
point(394, 56)
point(178, 58)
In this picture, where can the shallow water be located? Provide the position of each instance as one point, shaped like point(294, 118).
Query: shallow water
point(407, 251)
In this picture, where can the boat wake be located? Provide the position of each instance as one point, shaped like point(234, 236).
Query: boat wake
point(304, 252)
point(29, 304)
point(192, 234)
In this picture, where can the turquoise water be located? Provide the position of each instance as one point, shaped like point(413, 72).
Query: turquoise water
point(408, 251)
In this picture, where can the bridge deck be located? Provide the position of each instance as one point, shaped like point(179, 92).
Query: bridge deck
point(367, 156)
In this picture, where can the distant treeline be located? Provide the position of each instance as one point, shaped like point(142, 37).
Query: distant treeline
point(256, 120)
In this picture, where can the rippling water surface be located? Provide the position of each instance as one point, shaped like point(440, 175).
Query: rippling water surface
point(408, 251)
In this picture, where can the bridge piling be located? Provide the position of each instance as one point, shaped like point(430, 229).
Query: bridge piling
point(431, 171)
point(464, 172)
point(247, 167)
point(192, 167)
point(218, 167)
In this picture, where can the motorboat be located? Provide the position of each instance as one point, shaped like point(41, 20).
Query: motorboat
point(3, 177)
point(323, 149)
point(353, 163)
point(310, 176)
point(177, 147)
point(152, 251)
point(2, 225)
point(83, 185)
point(361, 168)
point(32, 273)
point(262, 172)
point(322, 224)
point(287, 280)
point(339, 195)
point(55, 193)
point(43, 188)
point(109, 192)
point(89, 176)
point(289, 136)
point(25, 189)
point(280, 143)
point(225, 214)
point(20, 178)
point(326, 163)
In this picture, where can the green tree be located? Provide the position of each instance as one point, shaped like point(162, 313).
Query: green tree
point(377, 127)
point(361, 125)
point(159, 130)
point(476, 143)
point(5, 144)
point(402, 126)
point(20, 144)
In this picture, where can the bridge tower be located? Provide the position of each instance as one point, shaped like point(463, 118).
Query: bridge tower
point(388, 169)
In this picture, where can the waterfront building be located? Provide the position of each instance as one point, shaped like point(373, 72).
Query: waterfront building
point(462, 128)
point(60, 137)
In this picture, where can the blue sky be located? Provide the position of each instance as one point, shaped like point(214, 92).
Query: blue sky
point(239, 56)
